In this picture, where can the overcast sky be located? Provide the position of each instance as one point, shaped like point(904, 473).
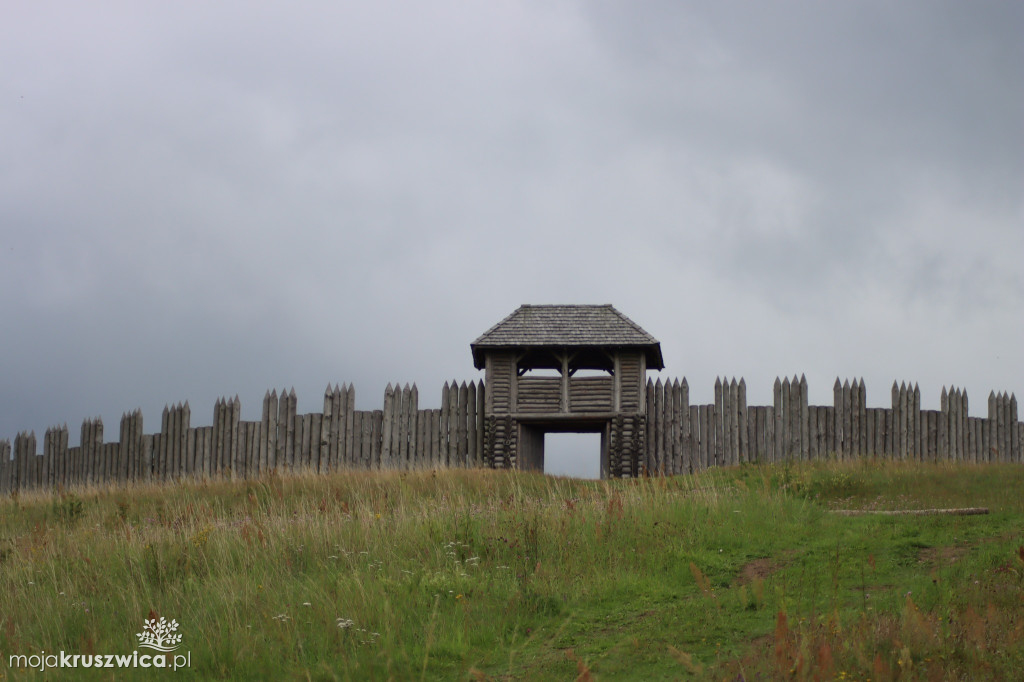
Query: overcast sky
point(210, 199)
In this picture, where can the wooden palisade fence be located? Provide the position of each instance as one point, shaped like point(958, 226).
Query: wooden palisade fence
point(680, 437)
point(399, 436)
point(686, 438)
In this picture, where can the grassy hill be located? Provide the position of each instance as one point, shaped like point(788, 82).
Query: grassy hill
point(732, 574)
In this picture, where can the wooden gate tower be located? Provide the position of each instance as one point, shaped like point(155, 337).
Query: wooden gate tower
point(565, 368)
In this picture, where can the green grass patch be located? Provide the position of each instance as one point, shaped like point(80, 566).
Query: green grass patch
point(740, 573)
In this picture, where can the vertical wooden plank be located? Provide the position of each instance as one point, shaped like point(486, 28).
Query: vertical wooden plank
point(160, 454)
point(976, 444)
point(909, 422)
point(52, 450)
point(361, 425)
point(291, 427)
point(298, 432)
point(851, 423)
point(273, 432)
point(918, 425)
point(35, 482)
point(180, 433)
point(706, 450)
point(173, 427)
point(187, 447)
point(80, 472)
point(421, 451)
point(1005, 442)
point(731, 399)
point(145, 470)
point(316, 434)
point(872, 433)
point(463, 424)
point(442, 453)
point(35, 461)
point(804, 419)
point(453, 424)
point(693, 445)
point(895, 420)
point(225, 455)
point(472, 456)
point(667, 428)
point(964, 416)
point(791, 417)
point(236, 455)
point(356, 460)
point(680, 413)
point(1004, 428)
point(351, 434)
point(177, 441)
point(481, 398)
point(391, 395)
point(252, 460)
point(404, 428)
point(742, 416)
point(308, 445)
point(305, 450)
point(919, 432)
point(187, 440)
point(18, 479)
point(685, 428)
point(650, 447)
point(435, 439)
point(880, 432)
point(45, 472)
point(97, 446)
point(84, 450)
point(218, 442)
point(66, 457)
point(824, 431)
point(753, 438)
point(718, 425)
point(812, 433)
point(263, 455)
point(128, 448)
point(328, 430)
point(952, 421)
point(375, 438)
point(943, 435)
point(1015, 442)
point(734, 408)
point(339, 428)
point(844, 423)
point(208, 452)
point(990, 425)
point(660, 417)
point(778, 449)
point(933, 436)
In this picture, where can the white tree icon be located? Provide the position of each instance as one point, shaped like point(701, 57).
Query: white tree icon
point(159, 635)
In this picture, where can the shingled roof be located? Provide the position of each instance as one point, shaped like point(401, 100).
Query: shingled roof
point(567, 326)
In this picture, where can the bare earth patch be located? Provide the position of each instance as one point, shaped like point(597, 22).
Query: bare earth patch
point(758, 569)
point(942, 555)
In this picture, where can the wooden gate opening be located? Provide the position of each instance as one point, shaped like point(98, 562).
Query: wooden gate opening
point(573, 448)
point(576, 455)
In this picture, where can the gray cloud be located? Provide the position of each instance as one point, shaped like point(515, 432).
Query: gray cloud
point(214, 200)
